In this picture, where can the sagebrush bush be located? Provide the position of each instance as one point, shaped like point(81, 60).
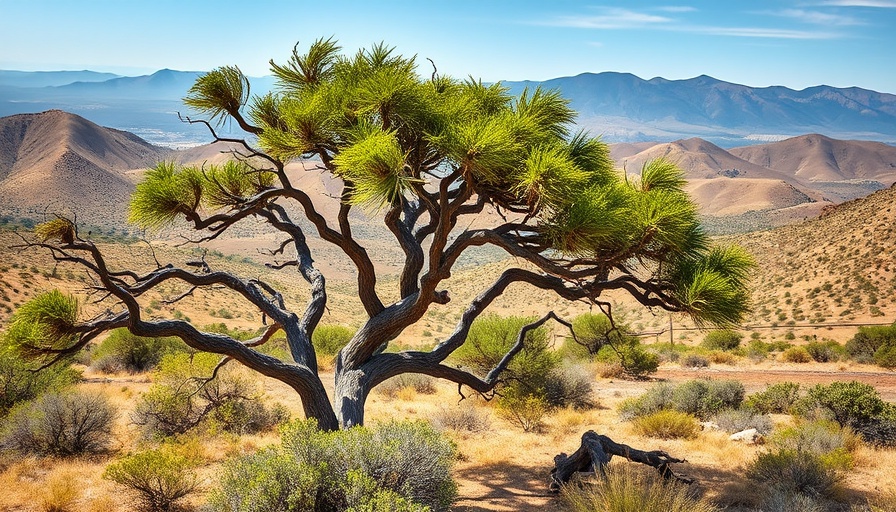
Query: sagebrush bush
point(700, 397)
point(569, 386)
point(626, 489)
point(461, 418)
point(794, 471)
point(694, 361)
point(667, 424)
point(825, 351)
point(704, 398)
point(423, 384)
point(737, 420)
point(359, 469)
point(722, 339)
point(848, 403)
point(775, 399)
point(19, 382)
point(65, 423)
point(157, 479)
point(124, 351)
point(182, 397)
point(784, 500)
point(719, 357)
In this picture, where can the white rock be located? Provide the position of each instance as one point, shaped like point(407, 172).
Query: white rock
point(749, 436)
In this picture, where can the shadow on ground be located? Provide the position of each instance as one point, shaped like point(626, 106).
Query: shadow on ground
point(505, 486)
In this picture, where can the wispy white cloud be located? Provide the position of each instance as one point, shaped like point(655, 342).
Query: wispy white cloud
point(761, 32)
point(610, 18)
point(676, 8)
point(816, 17)
point(883, 4)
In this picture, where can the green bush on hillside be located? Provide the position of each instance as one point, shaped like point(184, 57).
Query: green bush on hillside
point(874, 344)
point(124, 351)
point(722, 339)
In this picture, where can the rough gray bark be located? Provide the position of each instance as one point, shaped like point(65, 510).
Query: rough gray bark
point(595, 453)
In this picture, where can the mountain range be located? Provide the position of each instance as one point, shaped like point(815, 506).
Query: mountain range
point(618, 106)
point(58, 162)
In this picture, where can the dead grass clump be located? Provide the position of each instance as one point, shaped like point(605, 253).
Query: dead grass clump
point(461, 418)
point(407, 385)
point(626, 488)
point(667, 424)
point(612, 370)
point(61, 492)
point(719, 357)
point(796, 355)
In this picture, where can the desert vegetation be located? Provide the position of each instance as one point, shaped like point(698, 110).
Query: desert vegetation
point(195, 379)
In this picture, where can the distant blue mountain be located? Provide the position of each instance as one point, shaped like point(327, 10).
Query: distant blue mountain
point(50, 78)
point(628, 108)
point(619, 106)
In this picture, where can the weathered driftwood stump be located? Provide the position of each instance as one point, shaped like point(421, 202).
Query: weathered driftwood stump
point(595, 453)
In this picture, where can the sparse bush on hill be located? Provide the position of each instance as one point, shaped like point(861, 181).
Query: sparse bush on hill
point(853, 404)
point(524, 411)
point(329, 339)
point(826, 439)
point(722, 339)
point(694, 361)
point(737, 420)
point(569, 386)
point(407, 465)
point(66, 423)
point(461, 418)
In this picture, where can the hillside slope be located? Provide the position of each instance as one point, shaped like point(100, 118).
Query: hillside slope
point(56, 162)
point(838, 267)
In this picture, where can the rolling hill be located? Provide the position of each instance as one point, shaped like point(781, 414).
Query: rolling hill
point(56, 162)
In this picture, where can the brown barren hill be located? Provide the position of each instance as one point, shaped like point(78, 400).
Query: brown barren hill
point(815, 157)
point(57, 162)
point(723, 184)
point(838, 267)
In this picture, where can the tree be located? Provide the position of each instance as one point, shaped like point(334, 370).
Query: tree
point(424, 154)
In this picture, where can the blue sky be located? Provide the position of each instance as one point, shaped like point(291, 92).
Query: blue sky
point(795, 43)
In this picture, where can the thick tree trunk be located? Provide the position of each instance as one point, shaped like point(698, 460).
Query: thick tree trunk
point(351, 395)
point(595, 453)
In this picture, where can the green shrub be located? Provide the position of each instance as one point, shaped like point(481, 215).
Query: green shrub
point(776, 399)
point(328, 340)
point(723, 339)
point(832, 443)
point(796, 355)
point(667, 424)
point(407, 465)
point(524, 411)
point(124, 351)
point(848, 403)
point(626, 489)
point(158, 479)
point(784, 500)
point(825, 351)
point(868, 341)
point(656, 398)
point(794, 471)
point(491, 336)
point(704, 398)
point(65, 423)
point(593, 333)
point(19, 382)
point(182, 397)
point(758, 350)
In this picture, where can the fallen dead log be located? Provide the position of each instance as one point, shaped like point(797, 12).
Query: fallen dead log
point(595, 453)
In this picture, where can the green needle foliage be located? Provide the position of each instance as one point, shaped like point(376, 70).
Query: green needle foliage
point(43, 324)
